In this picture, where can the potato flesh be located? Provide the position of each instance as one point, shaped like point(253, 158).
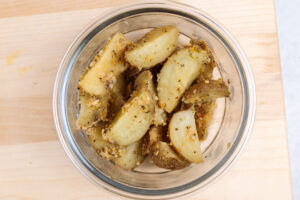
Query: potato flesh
point(134, 119)
point(178, 73)
point(207, 73)
point(184, 137)
point(145, 78)
point(153, 48)
point(131, 156)
point(92, 110)
point(160, 116)
point(106, 66)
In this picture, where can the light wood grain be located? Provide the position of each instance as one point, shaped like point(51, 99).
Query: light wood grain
point(33, 163)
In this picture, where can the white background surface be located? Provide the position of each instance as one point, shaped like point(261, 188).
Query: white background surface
point(288, 20)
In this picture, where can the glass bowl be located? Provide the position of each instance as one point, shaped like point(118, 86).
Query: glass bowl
point(232, 121)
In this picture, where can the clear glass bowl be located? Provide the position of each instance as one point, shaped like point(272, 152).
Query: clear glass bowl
point(235, 116)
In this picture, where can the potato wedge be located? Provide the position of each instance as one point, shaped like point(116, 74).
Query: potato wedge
point(203, 116)
point(164, 156)
point(184, 137)
point(117, 97)
point(124, 157)
point(161, 153)
point(154, 135)
point(92, 110)
point(145, 79)
point(105, 149)
point(178, 73)
point(205, 91)
point(207, 72)
point(153, 48)
point(107, 65)
point(131, 156)
point(134, 119)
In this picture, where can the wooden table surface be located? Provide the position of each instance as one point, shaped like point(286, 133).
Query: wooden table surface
point(34, 36)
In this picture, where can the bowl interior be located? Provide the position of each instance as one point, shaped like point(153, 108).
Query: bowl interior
point(225, 131)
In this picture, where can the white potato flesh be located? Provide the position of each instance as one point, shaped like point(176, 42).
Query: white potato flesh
point(184, 137)
point(160, 116)
point(131, 156)
point(153, 48)
point(145, 78)
point(178, 73)
point(134, 119)
point(108, 64)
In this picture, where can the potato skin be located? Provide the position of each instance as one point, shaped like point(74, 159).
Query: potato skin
point(205, 91)
point(153, 48)
point(105, 67)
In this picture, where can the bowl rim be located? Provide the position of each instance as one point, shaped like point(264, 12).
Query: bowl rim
point(110, 16)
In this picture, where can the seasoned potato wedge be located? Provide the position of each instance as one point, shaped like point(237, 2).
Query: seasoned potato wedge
point(161, 153)
point(184, 137)
point(92, 110)
point(117, 97)
point(125, 157)
point(207, 72)
point(153, 48)
point(133, 120)
point(164, 156)
point(107, 65)
point(131, 156)
point(203, 116)
point(178, 73)
point(145, 78)
point(205, 91)
point(105, 149)
point(154, 135)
